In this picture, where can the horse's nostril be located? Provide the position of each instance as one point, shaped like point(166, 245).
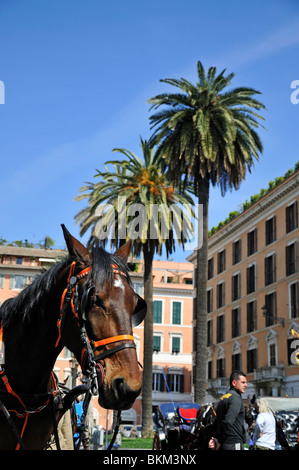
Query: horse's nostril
point(120, 388)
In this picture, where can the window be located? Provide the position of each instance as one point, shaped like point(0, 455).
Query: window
point(176, 313)
point(236, 286)
point(157, 343)
point(221, 261)
point(175, 344)
point(236, 361)
point(158, 382)
point(210, 332)
point(291, 217)
point(251, 279)
point(2, 281)
point(157, 311)
point(294, 300)
point(251, 360)
point(272, 355)
point(291, 250)
point(138, 288)
point(210, 268)
point(220, 328)
point(18, 281)
point(270, 269)
point(221, 367)
point(210, 300)
point(220, 294)
point(270, 303)
point(251, 242)
point(251, 316)
point(19, 260)
point(271, 230)
point(271, 338)
point(236, 322)
point(237, 252)
point(175, 381)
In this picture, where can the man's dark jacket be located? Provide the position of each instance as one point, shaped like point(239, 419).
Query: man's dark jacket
point(230, 418)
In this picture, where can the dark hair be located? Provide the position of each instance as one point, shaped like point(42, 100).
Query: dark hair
point(235, 375)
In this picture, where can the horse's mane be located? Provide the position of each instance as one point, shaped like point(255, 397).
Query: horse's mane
point(21, 307)
point(31, 298)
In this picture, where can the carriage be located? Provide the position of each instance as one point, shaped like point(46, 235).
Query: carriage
point(176, 425)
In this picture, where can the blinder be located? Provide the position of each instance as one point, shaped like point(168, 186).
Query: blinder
point(84, 302)
point(138, 314)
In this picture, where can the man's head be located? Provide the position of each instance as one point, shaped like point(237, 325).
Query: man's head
point(238, 380)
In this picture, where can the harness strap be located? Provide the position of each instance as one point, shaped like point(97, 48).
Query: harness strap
point(113, 339)
point(109, 352)
point(70, 290)
point(26, 413)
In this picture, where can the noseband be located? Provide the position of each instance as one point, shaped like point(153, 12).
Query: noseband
point(90, 360)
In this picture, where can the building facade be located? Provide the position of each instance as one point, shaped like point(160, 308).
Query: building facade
point(172, 355)
point(253, 296)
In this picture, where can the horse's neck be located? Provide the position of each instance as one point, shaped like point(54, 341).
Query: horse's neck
point(30, 352)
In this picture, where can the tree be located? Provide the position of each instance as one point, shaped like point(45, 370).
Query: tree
point(206, 135)
point(47, 242)
point(138, 186)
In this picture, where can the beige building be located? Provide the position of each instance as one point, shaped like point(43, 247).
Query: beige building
point(253, 295)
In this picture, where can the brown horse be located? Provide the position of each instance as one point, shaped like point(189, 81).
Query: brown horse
point(86, 303)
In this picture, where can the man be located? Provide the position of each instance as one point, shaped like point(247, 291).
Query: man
point(231, 414)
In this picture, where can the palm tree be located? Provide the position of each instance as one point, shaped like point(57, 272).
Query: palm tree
point(138, 185)
point(206, 135)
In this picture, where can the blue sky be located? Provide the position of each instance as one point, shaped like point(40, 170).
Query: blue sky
point(78, 75)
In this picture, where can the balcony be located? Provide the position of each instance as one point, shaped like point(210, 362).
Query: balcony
point(265, 374)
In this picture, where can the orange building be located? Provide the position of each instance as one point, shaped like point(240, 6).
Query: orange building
point(253, 295)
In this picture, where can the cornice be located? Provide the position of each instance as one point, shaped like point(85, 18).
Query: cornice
point(284, 190)
point(173, 292)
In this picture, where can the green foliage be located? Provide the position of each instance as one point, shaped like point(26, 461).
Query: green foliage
point(136, 443)
point(206, 131)
point(131, 182)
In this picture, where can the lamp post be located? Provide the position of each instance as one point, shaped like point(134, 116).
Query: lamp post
point(273, 317)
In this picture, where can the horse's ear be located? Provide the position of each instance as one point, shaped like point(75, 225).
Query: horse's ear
point(77, 251)
point(124, 251)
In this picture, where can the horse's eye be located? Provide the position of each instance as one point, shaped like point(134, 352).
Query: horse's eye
point(98, 301)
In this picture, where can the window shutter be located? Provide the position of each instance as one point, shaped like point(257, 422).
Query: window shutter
point(182, 380)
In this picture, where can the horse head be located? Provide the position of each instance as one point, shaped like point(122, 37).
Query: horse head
point(108, 309)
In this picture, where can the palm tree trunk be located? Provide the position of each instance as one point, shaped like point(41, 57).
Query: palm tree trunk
point(147, 419)
point(200, 330)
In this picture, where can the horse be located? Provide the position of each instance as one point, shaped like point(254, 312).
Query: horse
point(87, 303)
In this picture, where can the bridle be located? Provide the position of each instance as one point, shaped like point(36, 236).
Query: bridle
point(90, 360)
